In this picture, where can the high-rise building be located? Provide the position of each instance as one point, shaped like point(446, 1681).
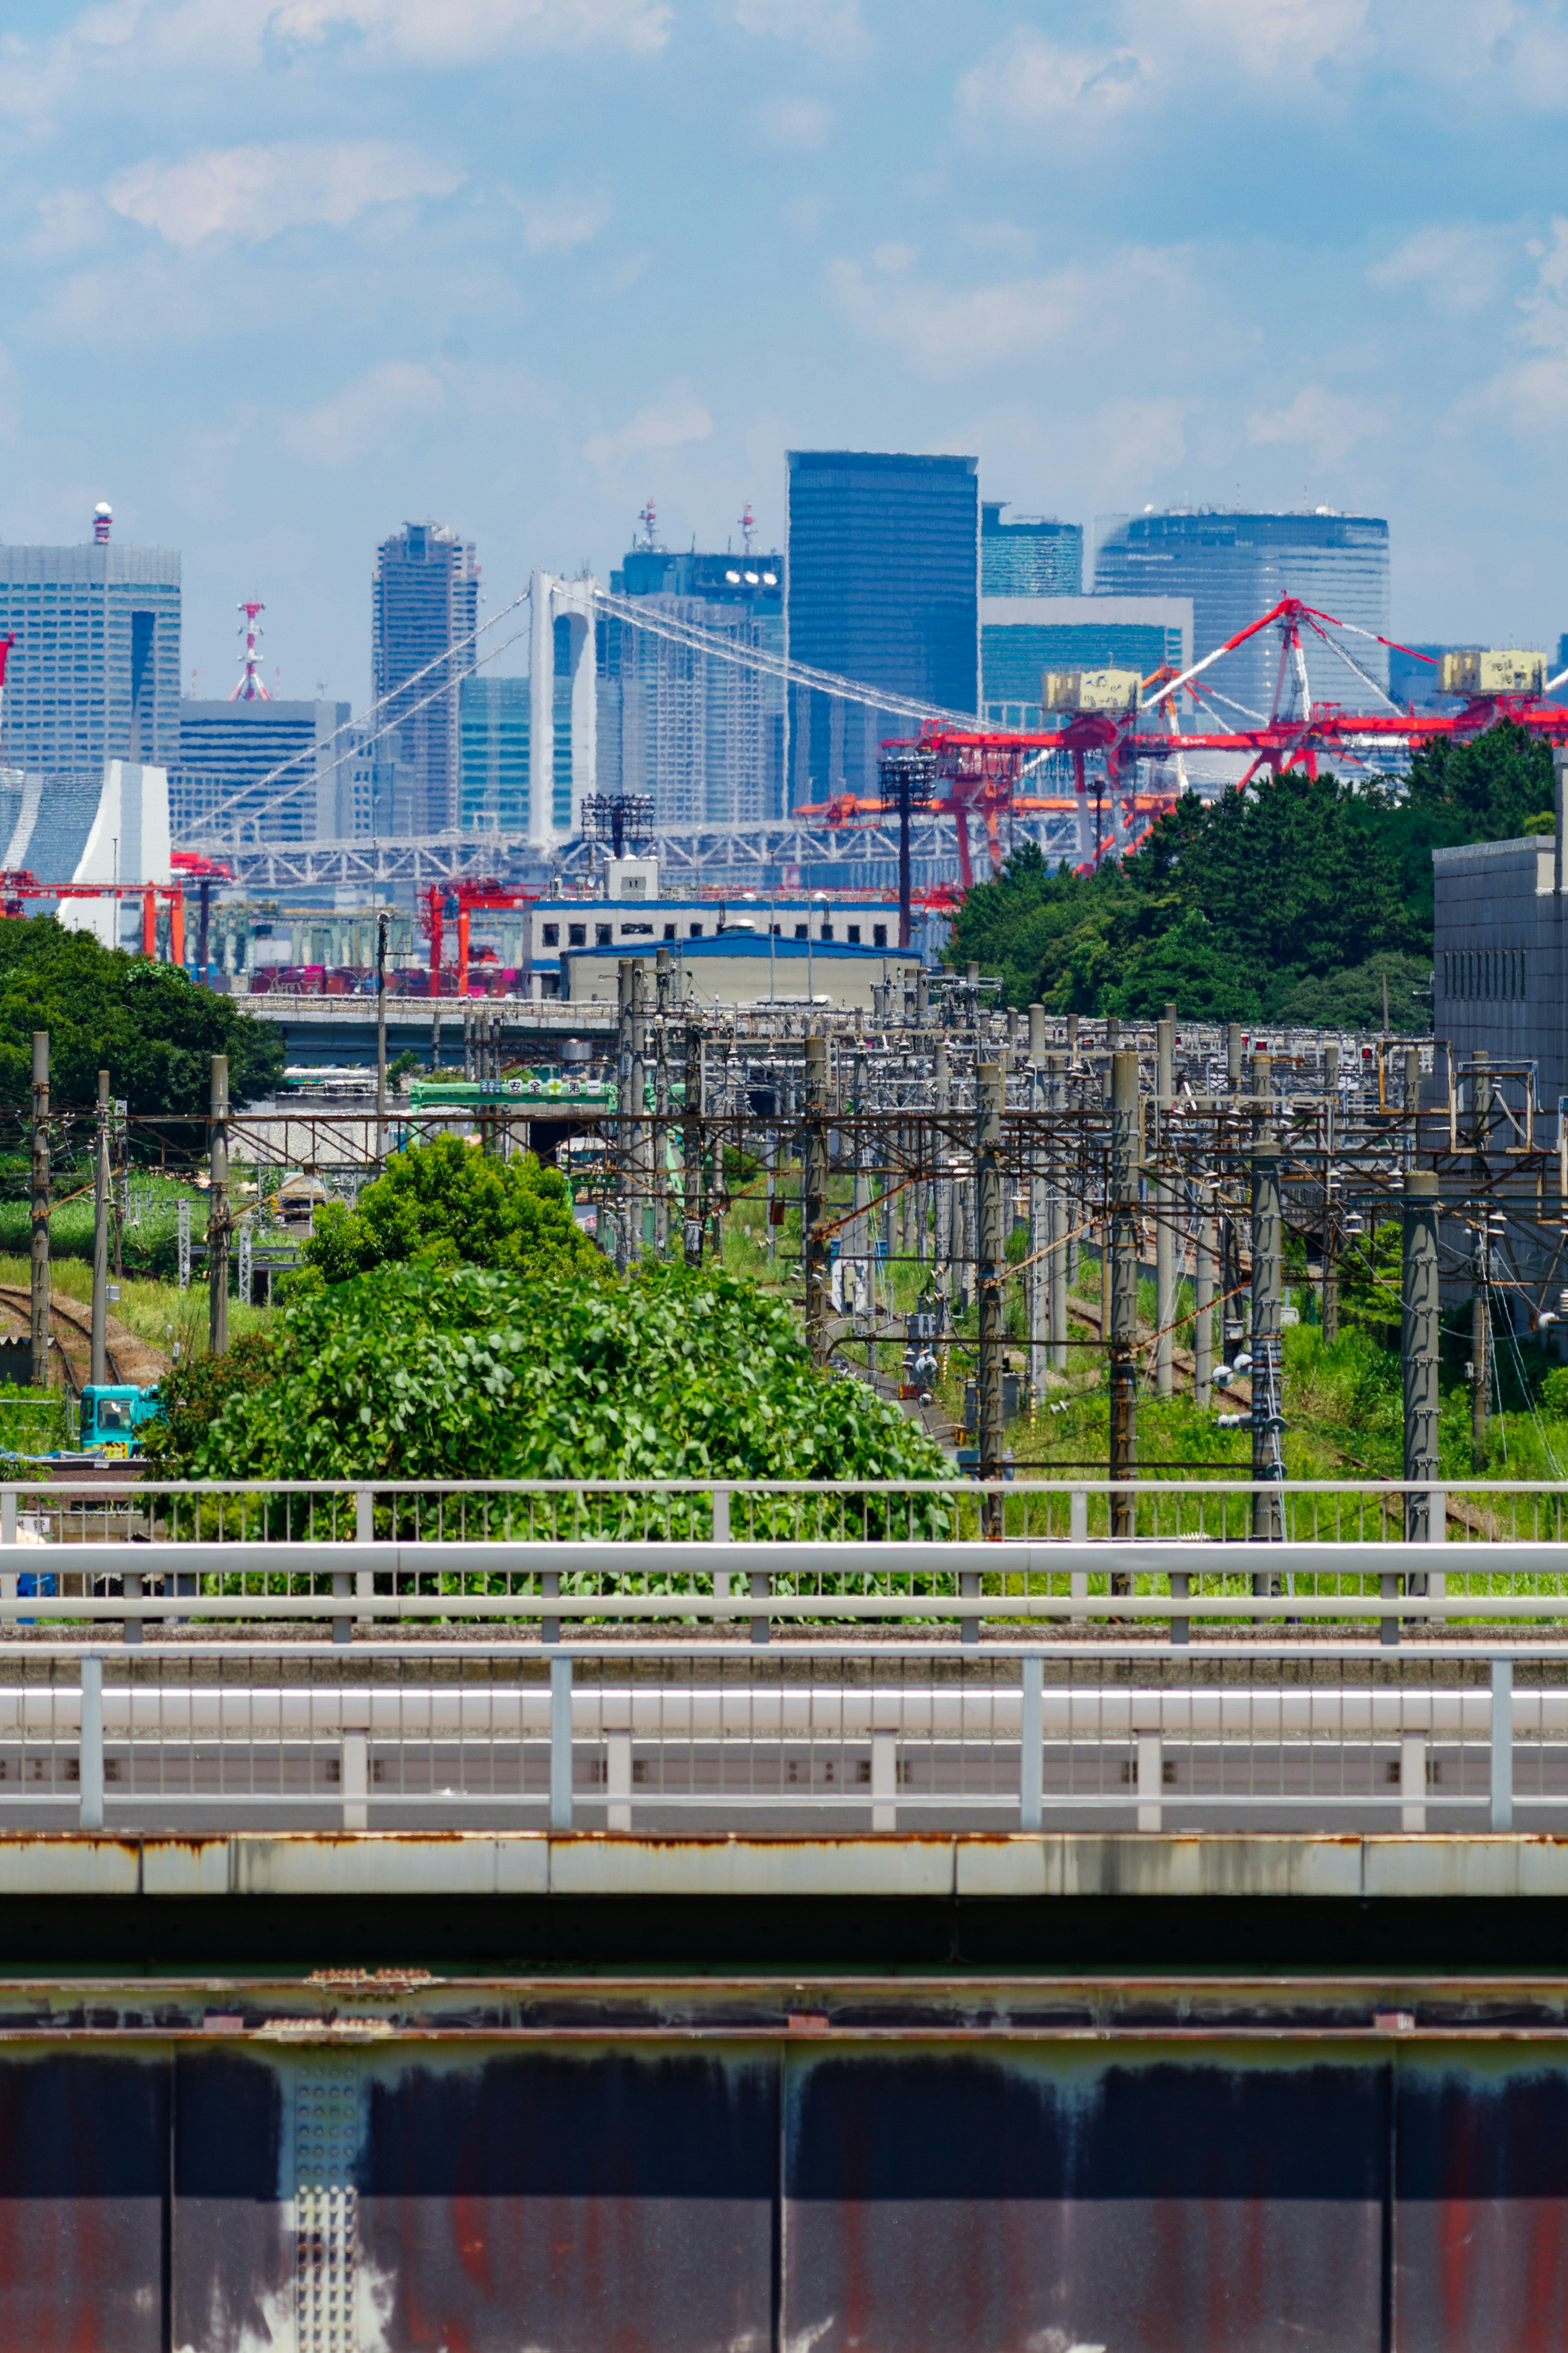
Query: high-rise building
point(1236, 567)
point(882, 556)
point(699, 733)
point(492, 715)
point(1021, 637)
point(1033, 555)
point(94, 673)
point(229, 748)
point(426, 600)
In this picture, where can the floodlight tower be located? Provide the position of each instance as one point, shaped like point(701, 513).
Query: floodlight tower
point(250, 688)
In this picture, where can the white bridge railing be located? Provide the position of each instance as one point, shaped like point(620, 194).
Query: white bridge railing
point(846, 1734)
point(546, 1556)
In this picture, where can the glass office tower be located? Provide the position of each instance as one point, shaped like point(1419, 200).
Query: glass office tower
point(1235, 566)
point(1033, 555)
point(882, 568)
point(701, 735)
point(425, 607)
point(94, 673)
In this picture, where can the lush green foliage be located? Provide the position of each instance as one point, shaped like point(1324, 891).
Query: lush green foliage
point(450, 1204)
point(146, 1024)
point(195, 1392)
point(423, 1372)
point(1287, 903)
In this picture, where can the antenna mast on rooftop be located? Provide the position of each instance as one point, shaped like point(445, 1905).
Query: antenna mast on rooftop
point(250, 688)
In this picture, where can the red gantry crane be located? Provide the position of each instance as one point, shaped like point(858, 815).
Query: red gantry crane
point(1119, 720)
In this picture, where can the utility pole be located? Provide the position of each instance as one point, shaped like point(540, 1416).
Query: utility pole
point(691, 1148)
point(942, 1104)
point(1057, 1265)
point(1418, 1349)
point(1123, 1334)
point(989, 1087)
point(1268, 1304)
point(1330, 1238)
point(40, 1212)
point(1165, 1210)
point(217, 1208)
point(1480, 1303)
point(101, 1182)
point(1038, 1297)
point(1203, 1302)
point(814, 1200)
point(381, 922)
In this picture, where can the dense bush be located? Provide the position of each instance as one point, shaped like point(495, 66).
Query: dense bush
point(419, 1372)
point(449, 1204)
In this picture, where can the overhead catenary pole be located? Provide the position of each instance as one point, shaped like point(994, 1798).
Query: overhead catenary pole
point(1038, 1302)
point(1122, 1332)
point(101, 1185)
point(691, 1219)
point(1267, 1319)
point(381, 927)
point(1481, 1300)
point(217, 1208)
point(814, 1200)
point(1418, 1350)
point(1164, 1198)
point(39, 1322)
point(991, 1264)
point(1203, 1302)
point(1331, 1233)
point(1059, 1268)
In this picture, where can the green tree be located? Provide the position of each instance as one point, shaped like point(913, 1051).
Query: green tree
point(423, 1372)
point(450, 1204)
point(147, 1024)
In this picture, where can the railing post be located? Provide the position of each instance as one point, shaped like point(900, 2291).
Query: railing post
point(720, 1536)
point(1151, 1771)
point(1502, 1744)
point(617, 1778)
point(1077, 1531)
point(1181, 1627)
point(560, 1744)
point(1413, 1781)
point(364, 1533)
point(884, 1780)
point(1031, 1743)
point(353, 1759)
point(130, 1590)
point(8, 1537)
point(89, 1744)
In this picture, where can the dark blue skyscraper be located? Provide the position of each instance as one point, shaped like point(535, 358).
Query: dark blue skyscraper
point(882, 572)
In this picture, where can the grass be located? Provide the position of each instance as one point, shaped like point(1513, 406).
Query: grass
point(159, 1313)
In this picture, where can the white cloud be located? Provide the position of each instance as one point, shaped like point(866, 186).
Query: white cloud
point(1155, 49)
point(1460, 267)
point(793, 124)
point(367, 417)
point(555, 223)
point(462, 31)
point(1545, 308)
point(1329, 423)
point(70, 220)
point(832, 26)
point(669, 424)
point(256, 191)
point(947, 332)
point(1263, 36)
point(1030, 80)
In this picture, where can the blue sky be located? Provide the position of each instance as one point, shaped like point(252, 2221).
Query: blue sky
point(279, 275)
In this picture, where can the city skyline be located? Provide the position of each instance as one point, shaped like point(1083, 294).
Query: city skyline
point(278, 281)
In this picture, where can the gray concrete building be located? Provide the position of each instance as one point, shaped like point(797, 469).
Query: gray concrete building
point(1500, 956)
